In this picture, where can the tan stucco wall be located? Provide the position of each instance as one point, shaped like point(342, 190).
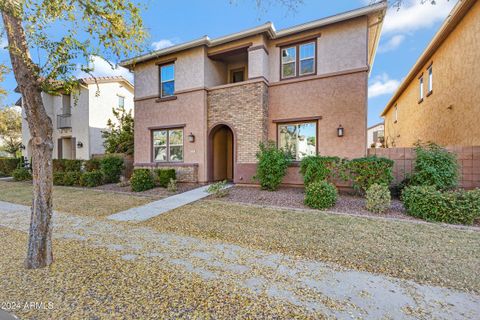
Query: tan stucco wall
point(339, 100)
point(188, 109)
point(451, 114)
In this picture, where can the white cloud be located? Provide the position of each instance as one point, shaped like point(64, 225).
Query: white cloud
point(161, 44)
point(102, 68)
point(382, 85)
point(414, 15)
point(392, 44)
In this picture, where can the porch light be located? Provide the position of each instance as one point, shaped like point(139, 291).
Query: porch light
point(22, 146)
point(340, 131)
point(191, 138)
point(79, 144)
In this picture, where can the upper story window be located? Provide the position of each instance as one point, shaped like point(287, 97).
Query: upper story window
point(167, 80)
point(420, 92)
point(298, 60)
point(66, 105)
point(396, 113)
point(168, 145)
point(298, 140)
point(430, 79)
point(237, 75)
point(121, 102)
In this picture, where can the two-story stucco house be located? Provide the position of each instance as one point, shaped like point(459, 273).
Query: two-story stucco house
point(438, 100)
point(79, 119)
point(203, 107)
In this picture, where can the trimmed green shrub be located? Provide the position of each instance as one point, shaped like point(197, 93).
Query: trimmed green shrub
point(7, 165)
point(112, 167)
point(92, 165)
point(218, 189)
point(21, 174)
point(142, 179)
point(72, 178)
point(320, 195)
point(91, 179)
point(58, 178)
point(435, 166)
point(318, 168)
point(369, 170)
point(272, 166)
point(67, 165)
point(378, 198)
point(164, 176)
point(428, 203)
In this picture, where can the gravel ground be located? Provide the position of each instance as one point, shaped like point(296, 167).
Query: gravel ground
point(293, 198)
point(156, 193)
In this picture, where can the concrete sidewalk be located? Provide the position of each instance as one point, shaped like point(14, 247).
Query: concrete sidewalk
point(156, 208)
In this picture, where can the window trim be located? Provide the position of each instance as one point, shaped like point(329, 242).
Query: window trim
point(168, 129)
point(421, 92)
point(242, 69)
point(160, 91)
point(297, 121)
point(430, 80)
point(118, 102)
point(297, 45)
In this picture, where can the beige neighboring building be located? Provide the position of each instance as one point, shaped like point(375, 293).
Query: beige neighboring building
point(376, 135)
point(202, 107)
point(439, 100)
point(78, 126)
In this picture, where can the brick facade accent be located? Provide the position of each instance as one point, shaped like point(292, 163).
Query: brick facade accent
point(185, 172)
point(468, 159)
point(245, 109)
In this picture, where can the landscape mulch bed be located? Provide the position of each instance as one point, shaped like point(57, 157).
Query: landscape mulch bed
point(154, 193)
point(289, 197)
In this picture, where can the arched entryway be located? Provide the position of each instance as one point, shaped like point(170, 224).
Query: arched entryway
point(221, 153)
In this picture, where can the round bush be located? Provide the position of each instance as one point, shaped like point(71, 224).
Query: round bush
point(320, 195)
point(72, 178)
point(92, 165)
point(91, 179)
point(21, 174)
point(112, 167)
point(164, 176)
point(58, 178)
point(272, 166)
point(142, 179)
point(378, 198)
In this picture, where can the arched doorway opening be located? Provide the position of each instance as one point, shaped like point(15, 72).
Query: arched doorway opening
point(221, 155)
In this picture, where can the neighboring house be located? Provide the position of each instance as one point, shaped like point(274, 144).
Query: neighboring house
point(375, 136)
point(78, 120)
point(439, 99)
point(203, 107)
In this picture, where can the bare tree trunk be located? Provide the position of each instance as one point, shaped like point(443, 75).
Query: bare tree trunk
point(40, 236)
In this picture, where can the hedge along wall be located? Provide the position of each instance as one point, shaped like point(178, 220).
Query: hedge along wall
point(468, 160)
point(127, 161)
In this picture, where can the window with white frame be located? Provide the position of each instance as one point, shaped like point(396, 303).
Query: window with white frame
point(167, 80)
point(430, 79)
point(298, 60)
point(167, 145)
point(420, 83)
point(121, 102)
point(298, 140)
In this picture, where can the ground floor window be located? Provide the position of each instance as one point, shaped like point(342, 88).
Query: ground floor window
point(298, 140)
point(167, 145)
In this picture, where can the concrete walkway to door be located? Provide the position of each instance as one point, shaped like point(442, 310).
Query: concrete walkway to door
point(156, 208)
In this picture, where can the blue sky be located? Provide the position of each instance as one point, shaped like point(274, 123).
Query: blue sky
point(405, 35)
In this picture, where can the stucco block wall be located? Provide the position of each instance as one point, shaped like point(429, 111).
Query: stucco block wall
point(188, 110)
point(339, 100)
point(451, 114)
point(468, 159)
point(245, 109)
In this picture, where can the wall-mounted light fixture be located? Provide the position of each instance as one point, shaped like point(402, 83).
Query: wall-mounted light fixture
point(340, 131)
point(22, 146)
point(191, 138)
point(79, 144)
